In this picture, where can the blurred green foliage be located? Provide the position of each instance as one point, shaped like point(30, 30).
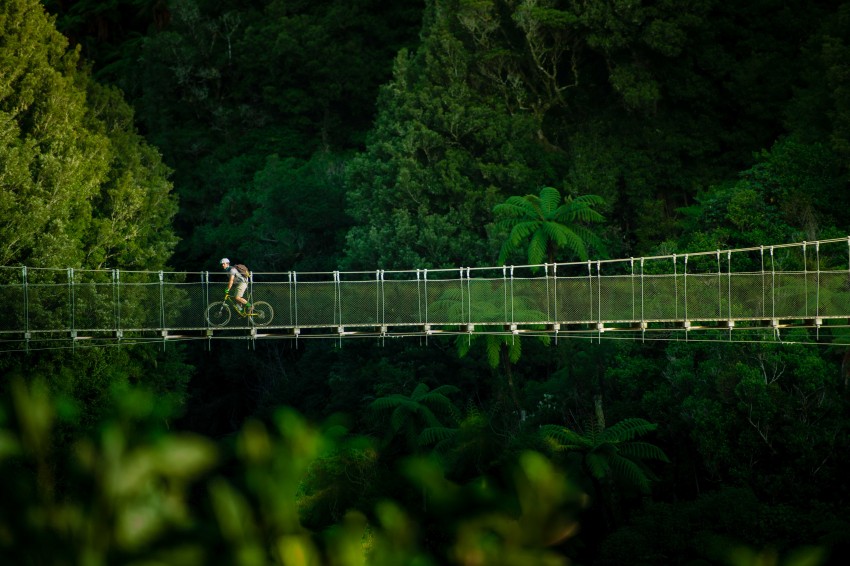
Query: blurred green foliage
point(130, 491)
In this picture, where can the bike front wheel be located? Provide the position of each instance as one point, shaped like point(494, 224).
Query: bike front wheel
point(263, 314)
point(218, 314)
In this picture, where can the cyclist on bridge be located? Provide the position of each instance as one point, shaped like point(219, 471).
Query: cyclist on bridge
point(239, 275)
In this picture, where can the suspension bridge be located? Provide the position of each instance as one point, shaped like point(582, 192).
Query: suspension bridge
point(724, 293)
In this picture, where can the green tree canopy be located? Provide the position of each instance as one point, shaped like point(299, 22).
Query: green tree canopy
point(78, 187)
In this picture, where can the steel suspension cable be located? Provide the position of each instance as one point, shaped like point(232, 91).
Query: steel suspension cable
point(26, 307)
point(772, 285)
point(295, 295)
point(642, 316)
point(817, 291)
point(555, 285)
point(599, 300)
point(338, 298)
point(505, 291)
point(162, 301)
point(763, 285)
point(729, 290)
point(632, 264)
point(383, 302)
point(469, 296)
point(805, 282)
point(685, 276)
point(729, 322)
point(590, 288)
point(71, 320)
point(418, 297)
point(425, 285)
point(675, 290)
point(512, 295)
point(719, 290)
point(116, 296)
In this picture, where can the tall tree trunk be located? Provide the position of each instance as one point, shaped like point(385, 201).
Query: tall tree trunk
point(597, 408)
point(509, 378)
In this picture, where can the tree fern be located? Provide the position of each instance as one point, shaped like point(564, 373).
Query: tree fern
point(410, 414)
point(610, 455)
point(547, 223)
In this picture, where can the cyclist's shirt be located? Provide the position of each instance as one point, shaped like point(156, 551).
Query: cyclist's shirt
point(239, 277)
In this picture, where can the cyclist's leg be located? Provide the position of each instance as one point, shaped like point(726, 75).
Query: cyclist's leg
point(240, 290)
point(246, 303)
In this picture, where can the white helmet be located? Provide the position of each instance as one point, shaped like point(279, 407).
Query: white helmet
point(225, 260)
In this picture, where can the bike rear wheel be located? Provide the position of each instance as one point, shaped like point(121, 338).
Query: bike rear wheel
point(263, 314)
point(218, 314)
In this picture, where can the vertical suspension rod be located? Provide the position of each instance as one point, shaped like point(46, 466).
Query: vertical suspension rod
point(469, 294)
point(26, 307)
point(116, 307)
point(685, 276)
point(71, 313)
point(675, 290)
point(805, 283)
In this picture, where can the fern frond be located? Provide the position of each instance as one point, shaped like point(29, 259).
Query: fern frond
point(399, 416)
point(598, 465)
point(566, 439)
point(429, 417)
point(555, 232)
point(438, 402)
point(576, 244)
point(419, 391)
point(537, 248)
point(591, 200)
point(523, 231)
point(643, 451)
point(588, 236)
point(628, 472)
point(436, 434)
point(389, 402)
point(516, 207)
point(446, 389)
point(627, 429)
point(514, 344)
point(493, 344)
point(550, 198)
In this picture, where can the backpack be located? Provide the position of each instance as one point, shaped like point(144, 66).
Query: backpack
point(243, 270)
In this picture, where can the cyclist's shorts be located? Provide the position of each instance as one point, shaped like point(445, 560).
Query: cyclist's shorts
point(240, 288)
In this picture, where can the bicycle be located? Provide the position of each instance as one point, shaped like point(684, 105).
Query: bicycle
point(220, 312)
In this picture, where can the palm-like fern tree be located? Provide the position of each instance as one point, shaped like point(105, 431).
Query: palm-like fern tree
point(609, 455)
point(548, 223)
point(469, 445)
point(423, 408)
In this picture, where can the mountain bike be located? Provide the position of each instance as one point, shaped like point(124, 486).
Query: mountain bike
point(220, 312)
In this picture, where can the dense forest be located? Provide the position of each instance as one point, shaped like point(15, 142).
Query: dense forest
point(319, 135)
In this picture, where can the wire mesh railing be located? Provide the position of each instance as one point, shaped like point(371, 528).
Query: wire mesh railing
point(806, 281)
